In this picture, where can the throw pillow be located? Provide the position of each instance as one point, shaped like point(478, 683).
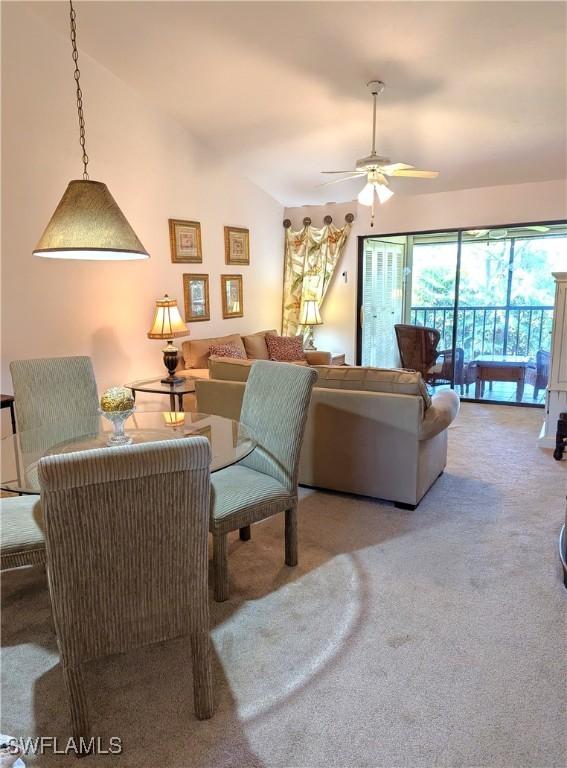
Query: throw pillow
point(285, 349)
point(227, 350)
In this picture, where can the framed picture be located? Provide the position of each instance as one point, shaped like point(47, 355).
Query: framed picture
point(196, 295)
point(232, 298)
point(236, 246)
point(185, 241)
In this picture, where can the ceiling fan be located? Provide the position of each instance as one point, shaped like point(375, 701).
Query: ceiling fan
point(376, 168)
point(500, 234)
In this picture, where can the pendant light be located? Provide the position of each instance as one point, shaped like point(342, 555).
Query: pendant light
point(87, 223)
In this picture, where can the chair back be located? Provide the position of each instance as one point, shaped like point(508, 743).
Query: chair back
point(543, 359)
point(417, 346)
point(126, 531)
point(274, 410)
point(56, 394)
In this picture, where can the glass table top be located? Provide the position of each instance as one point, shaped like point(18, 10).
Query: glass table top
point(155, 385)
point(20, 453)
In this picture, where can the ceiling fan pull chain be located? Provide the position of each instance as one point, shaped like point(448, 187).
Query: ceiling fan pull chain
point(77, 75)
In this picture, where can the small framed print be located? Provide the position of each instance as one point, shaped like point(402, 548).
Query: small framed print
point(232, 296)
point(185, 241)
point(196, 295)
point(236, 246)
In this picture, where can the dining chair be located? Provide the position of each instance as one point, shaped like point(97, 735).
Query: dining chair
point(57, 394)
point(274, 412)
point(127, 533)
point(22, 541)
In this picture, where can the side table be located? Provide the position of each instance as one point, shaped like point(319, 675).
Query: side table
point(7, 401)
point(156, 387)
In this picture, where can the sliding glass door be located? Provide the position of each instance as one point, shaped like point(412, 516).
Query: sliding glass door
point(488, 292)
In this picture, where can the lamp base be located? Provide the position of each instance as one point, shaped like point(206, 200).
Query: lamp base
point(172, 380)
point(170, 360)
point(308, 345)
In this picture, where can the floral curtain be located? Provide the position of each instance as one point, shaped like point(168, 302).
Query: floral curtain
point(311, 256)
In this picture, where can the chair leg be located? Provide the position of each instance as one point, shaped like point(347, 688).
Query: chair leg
point(291, 536)
point(74, 683)
point(202, 675)
point(220, 566)
point(245, 534)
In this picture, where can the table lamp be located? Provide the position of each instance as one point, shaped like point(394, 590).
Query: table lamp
point(309, 316)
point(168, 325)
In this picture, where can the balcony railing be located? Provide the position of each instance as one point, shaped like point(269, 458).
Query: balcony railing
point(490, 330)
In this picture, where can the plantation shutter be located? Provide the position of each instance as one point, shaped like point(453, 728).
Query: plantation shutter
point(381, 302)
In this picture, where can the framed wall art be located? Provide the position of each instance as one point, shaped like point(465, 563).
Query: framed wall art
point(236, 246)
point(232, 296)
point(196, 295)
point(185, 241)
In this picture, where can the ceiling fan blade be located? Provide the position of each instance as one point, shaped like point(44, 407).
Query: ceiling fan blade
point(344, 178)
point(392, 167)
point(416, 174)
point(351, 171)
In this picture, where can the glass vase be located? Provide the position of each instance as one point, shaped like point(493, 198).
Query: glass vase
point(117, 419)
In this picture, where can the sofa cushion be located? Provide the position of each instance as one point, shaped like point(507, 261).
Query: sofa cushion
point(255, 345)
point(196, 351)
point(285, 349)
point(395, 380)
point(227, 350)
point(229, 369)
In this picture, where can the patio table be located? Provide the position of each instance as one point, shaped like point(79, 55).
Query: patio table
point(501, 368)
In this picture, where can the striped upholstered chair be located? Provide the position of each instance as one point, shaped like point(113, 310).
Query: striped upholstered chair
point(21, 532)
point(127, 534)
point(57, 394)
point(274, 410)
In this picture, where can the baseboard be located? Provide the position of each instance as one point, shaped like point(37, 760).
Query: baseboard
point(545, 441)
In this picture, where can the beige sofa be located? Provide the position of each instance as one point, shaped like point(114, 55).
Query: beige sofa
point(194, 360)
point(370, 431)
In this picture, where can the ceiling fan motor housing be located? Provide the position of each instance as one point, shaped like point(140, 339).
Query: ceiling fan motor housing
point(371, 162)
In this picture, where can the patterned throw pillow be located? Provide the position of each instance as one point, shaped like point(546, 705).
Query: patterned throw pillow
point(226, 350)
point(285, 349)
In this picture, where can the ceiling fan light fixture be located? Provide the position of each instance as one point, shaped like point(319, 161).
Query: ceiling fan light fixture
point(384, 193)
point(366, 194)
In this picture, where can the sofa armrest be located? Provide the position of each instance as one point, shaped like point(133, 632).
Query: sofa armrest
point(442, 412)
point(221, 398)
point(318, 357)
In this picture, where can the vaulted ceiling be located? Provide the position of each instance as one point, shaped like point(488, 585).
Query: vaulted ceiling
point(476, 90)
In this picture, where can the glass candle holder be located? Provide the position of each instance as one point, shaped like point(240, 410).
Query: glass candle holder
point(117, 419)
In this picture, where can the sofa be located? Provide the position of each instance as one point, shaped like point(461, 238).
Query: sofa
point(370, 431)
point(195, 353)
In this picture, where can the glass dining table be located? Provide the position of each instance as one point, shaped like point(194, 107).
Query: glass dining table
point(20, 453)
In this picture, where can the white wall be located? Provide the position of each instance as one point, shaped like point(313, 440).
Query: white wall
point(154, 170)
point(469, 208)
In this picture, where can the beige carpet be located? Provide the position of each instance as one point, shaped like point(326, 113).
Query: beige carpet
point(427, 638)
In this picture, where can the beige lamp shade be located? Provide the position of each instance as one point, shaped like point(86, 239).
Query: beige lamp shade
point(88, 224)
point(309, 314)
point(167, 322)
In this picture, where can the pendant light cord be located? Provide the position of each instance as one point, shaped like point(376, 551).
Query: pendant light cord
point(77, 75)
